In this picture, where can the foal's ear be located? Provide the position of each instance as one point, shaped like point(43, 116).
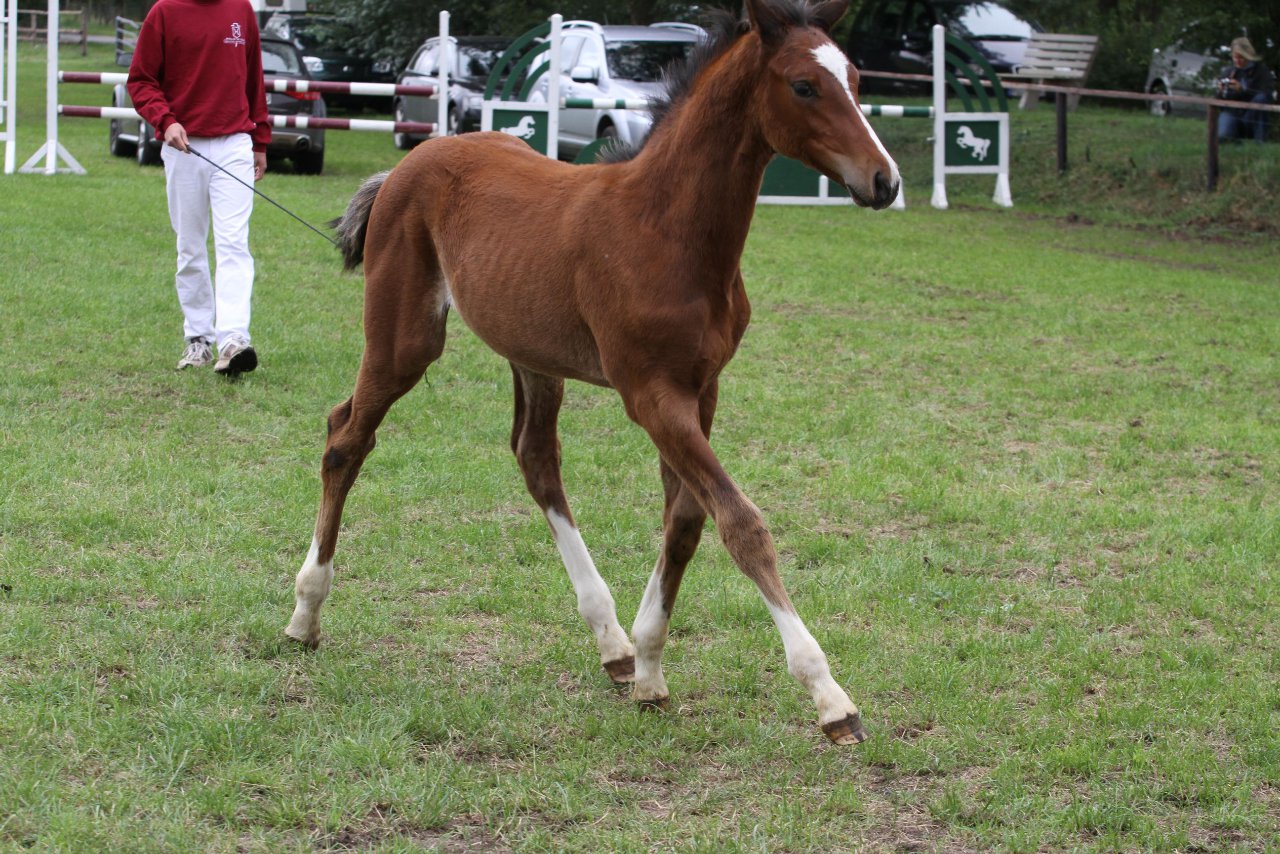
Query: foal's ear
point(767, 20)
point(826, 14)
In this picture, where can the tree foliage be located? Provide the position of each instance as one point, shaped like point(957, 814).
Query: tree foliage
point(1129, 29)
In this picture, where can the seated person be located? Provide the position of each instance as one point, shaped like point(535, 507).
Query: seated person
point(1249, 80)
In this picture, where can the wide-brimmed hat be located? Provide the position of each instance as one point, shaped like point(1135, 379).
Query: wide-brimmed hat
point(1244, 47)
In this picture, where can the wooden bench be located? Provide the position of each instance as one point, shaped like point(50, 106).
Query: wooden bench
point(1055, 57)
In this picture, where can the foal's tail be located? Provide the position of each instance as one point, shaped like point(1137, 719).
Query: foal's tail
point(353, 224)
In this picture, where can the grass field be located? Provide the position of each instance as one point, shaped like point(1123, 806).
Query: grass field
point(1021, 467)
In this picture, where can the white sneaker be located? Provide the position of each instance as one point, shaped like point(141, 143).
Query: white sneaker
point(197, 355)
point(235, 357)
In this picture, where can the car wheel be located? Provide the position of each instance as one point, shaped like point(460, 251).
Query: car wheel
point(309, 162)
point(402, 141)
point(117, 146)
point(147, 153)
point(1160, 108)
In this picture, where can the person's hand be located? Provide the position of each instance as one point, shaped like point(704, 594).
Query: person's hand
point(259, 165)
point(1233, 85)
point(176, 135)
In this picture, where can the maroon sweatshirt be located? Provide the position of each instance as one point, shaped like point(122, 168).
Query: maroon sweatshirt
point(199, 63)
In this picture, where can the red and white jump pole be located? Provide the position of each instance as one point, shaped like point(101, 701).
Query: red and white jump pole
point(52, 149)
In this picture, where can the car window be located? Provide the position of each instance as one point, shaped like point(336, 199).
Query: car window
point(643, 61)
point(987, 21)
point(569, 48)
point(592, 55)
point(425, 61)
point(280, 59)
point(477, 62)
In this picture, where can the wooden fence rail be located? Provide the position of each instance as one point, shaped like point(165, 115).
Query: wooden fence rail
point(1211, 105)
point(32, 31)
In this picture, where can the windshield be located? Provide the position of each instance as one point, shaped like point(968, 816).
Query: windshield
point(280, 59)
point(643, 61)
point(986, 21)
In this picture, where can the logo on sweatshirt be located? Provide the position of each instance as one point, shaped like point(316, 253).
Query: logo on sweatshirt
point(235, 39)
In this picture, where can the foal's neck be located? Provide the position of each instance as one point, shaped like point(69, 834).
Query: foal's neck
point(701, 170)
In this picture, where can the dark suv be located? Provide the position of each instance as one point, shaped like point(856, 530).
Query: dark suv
point(324, 43)
point(895, 35)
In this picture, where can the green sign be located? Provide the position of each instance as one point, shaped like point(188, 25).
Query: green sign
point(972, 143)
point(787, 177)
point(529, 125)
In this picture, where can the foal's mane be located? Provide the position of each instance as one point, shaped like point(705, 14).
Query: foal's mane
point(724, 28)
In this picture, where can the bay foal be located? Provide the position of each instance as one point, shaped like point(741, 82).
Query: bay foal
point(622, 274)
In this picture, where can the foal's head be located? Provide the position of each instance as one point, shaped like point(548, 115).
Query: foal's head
point(808, 109)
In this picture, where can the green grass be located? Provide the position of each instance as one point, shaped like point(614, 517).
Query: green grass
point(1020, 465)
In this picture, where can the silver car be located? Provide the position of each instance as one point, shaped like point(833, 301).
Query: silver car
point(1189, 66)
point(615, 62)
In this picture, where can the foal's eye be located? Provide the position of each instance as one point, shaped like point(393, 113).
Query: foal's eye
point(804, 89)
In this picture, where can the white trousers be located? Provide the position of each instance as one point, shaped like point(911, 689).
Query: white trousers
point(196, 191)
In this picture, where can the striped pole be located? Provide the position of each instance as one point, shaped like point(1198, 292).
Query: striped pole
point(604, 104)
point(887, 110)
point(274, 84)
point(303, 122)
point(897, 111)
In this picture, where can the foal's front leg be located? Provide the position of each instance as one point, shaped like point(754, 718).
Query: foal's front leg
point(534, 442)
point(671, 418)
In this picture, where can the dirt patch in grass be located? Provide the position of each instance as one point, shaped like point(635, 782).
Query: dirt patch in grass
point(382, 824)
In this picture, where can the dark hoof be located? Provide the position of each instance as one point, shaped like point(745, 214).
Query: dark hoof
point(847, 730)
point(310, 644)
point(658, 704)
point(622, 670)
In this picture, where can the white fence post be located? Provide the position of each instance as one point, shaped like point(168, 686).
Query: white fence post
point(9, 83)
point(52, 149)
point(442, 78)
point(553, 89)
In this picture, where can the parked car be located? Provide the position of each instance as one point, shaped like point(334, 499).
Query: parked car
point(1190, 66)
point(896, 36)
point(614, 62)
point(303, 146)
point(469, 62)
point(325, 44)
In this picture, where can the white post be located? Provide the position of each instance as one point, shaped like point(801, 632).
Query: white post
point(9, 83)
point(52, 149)
point(442, 78)
point(51, 89)
point(939, 117)
point(553, 90)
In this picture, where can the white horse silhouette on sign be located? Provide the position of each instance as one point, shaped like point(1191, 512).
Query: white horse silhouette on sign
point(977, 145)
point(524, 130)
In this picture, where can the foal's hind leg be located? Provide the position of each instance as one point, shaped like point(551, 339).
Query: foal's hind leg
point(404, 333)
point(533, 439)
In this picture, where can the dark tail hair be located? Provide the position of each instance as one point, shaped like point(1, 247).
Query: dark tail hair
point(353, 224)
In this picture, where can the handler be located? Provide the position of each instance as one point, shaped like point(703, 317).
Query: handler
point(196, 77)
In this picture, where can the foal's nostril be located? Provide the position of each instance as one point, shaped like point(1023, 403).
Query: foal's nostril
point(884, 189)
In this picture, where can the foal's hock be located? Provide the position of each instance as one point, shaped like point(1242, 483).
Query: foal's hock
point(624, 275)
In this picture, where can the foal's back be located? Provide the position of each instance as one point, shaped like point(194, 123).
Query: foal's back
point(534, 254)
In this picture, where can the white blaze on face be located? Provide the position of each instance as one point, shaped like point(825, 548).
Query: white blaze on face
point(833, 60)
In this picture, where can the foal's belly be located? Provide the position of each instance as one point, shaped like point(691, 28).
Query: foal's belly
point(530, 330)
